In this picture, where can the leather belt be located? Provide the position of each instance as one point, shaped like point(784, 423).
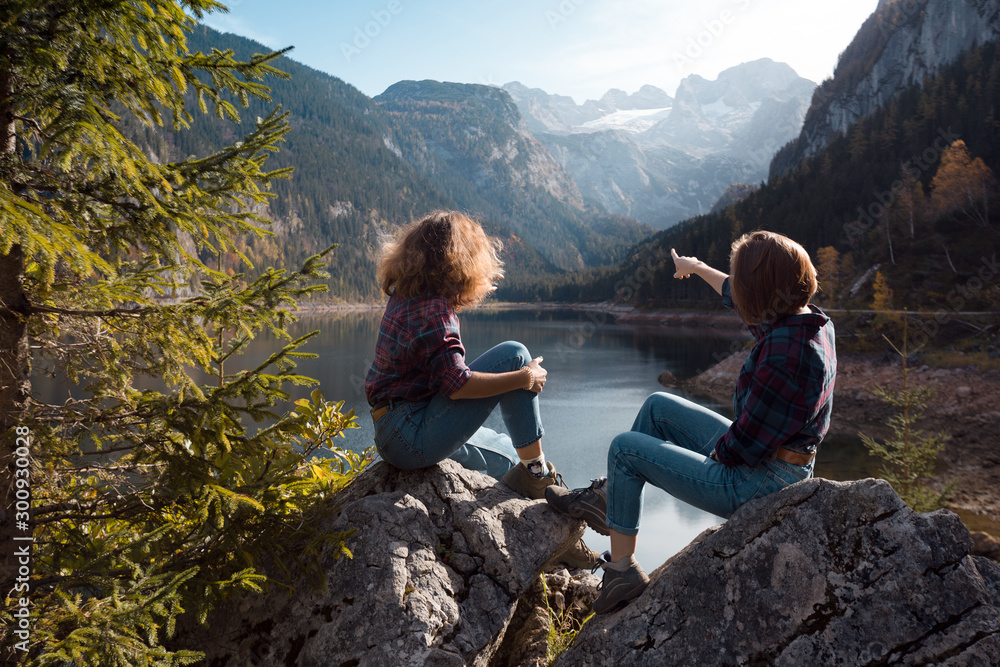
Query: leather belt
point(795, 458)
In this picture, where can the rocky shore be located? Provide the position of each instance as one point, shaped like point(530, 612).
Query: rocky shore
point(445, 564)
point(966, 405)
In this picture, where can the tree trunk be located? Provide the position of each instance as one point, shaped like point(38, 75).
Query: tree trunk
point(15, 358)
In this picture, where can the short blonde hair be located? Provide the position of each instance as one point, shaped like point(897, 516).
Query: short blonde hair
point(770, 276)
point(446, 253)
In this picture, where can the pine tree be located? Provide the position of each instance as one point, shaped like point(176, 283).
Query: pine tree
point(911, 455)
point(115, 276)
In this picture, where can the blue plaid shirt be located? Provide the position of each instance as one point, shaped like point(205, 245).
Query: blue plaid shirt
point(419, 352)
point(784, 393)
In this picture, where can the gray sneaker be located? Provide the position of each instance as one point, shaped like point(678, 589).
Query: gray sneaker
point(623, 582)
point(589, 503)
point(519, 480)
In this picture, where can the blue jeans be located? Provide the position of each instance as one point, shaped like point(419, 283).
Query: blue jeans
point(417, 435)
point(669, 446)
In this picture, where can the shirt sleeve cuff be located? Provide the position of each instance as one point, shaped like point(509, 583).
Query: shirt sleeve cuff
point(454, 379)
point(725, 456)
point(727, 295)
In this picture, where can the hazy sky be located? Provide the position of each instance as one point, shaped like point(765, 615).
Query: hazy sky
point(570, 47)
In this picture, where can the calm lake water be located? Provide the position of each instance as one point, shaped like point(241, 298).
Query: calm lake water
point(599, 375)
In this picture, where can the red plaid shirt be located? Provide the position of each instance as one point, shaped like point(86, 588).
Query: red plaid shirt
point(419, 352)
point(784, 393)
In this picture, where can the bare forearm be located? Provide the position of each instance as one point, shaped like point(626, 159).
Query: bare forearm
point(483, 385)
point(713, 277)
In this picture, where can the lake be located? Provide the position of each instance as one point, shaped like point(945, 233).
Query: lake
point(599, 374)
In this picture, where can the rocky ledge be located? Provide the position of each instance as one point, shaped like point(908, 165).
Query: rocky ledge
point(822, 573)
point(440, 559)
point(445, 572)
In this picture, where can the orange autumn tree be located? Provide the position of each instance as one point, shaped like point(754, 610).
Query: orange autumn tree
point(828, 268)
point(963, 184)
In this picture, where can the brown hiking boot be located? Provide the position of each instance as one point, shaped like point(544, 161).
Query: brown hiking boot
point(579, 556)
point(623, 582)
point(589, 503)
point(519, 480)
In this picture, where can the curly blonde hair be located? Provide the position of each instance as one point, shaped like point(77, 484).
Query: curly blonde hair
point(446, 253)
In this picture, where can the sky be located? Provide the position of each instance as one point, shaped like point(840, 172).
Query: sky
point(580, 48)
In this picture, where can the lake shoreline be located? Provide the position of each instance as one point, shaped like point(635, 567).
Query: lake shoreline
point(619, 313)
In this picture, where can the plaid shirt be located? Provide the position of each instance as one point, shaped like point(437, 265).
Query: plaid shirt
point(784, 393)
point(419, 352)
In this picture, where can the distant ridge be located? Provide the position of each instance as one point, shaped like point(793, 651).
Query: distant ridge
point(899, 45)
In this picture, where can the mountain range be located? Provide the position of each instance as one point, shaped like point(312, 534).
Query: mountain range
point(662, 159)
point(571, 188)
point(364, 167)
point(921, 81)
point(567, 187)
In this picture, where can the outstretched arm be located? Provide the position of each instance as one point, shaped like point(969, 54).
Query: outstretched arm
point(685, 266)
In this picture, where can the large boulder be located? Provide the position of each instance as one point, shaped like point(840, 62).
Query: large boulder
point(821, 573)
point(440, 558)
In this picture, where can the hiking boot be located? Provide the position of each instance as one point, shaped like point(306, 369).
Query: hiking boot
point(623, 582)
point(589, 503)
point(579, 556)
point(519, 480)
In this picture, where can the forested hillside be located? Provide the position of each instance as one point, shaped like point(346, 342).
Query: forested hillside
point(352, 182)
point(472, 139)
point(897, 193)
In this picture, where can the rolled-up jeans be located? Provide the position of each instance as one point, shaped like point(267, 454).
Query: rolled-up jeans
point(420, 434)
point(669, 447)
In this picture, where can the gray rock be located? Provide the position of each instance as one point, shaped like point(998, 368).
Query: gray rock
point(440, 558)
point(821, 573)
point(667, 379)
point(547, 615)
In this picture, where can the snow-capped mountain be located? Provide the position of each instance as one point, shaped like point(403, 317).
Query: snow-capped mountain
point(662, 159)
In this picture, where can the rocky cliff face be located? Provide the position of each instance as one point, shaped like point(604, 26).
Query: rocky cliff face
point(445, 563)
point(478, 130)
point(822, 573)
point(902, 42)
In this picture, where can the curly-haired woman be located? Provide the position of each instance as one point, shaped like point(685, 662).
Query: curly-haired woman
point(427, 403)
